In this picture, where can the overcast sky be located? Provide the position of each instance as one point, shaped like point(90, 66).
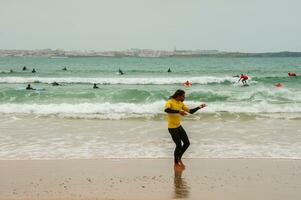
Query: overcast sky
point(230, 25)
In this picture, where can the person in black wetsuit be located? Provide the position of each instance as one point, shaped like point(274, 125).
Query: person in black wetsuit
point(24, 68)
point(55, 84)
point(169, 70)
point(95, 86)
point(175, 108)
point(33, 70)
point(29, 87)
point(120, 72)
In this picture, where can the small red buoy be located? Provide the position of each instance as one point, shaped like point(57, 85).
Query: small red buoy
point(187, 84)
point(279, 85)
point(291, 74)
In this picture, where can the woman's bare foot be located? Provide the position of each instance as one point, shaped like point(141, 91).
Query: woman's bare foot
point(181, 164)
point(178, 167)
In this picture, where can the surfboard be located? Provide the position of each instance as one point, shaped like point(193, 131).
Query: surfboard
point(34, 89)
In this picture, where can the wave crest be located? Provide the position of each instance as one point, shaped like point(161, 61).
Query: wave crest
point(121, 80)
point(132, 110)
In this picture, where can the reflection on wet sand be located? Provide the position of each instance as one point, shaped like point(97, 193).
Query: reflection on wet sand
point(181, 189)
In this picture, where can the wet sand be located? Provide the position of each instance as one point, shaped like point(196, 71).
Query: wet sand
point(227, 179)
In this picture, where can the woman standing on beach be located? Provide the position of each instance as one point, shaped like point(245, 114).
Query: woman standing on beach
point(175, 107)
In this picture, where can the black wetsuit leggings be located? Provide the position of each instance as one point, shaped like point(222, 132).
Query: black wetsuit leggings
point(178, 136)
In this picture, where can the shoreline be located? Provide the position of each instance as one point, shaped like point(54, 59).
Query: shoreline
point(150, 179)
point(55, 138)
point(152, 158)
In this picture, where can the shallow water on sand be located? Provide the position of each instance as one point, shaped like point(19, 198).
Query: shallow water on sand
point(29, 137)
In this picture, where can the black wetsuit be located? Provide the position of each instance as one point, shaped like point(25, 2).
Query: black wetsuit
point(179, 135)
point(120, 72)
point(29, 88)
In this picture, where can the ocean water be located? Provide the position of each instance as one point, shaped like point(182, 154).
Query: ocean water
point(140, 95)
point(141, 92)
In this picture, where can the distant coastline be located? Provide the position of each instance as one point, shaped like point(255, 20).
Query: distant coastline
point(60, 53)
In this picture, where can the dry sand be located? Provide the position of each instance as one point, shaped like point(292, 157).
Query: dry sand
point(227, 179)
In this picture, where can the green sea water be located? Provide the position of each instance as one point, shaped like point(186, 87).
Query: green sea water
point(146, 84)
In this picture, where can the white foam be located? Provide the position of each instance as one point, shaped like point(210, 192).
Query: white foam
point(99, 110)
point(256, 107)
point(128, 110)
point(120, 80)
point(264, 93)
point(73, 139)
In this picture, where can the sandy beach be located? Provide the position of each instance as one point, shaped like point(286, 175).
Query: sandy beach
point(74, 159)
point(150, 179)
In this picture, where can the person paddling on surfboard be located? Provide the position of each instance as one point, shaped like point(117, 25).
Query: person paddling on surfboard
point(291, 74)
point(243, 79)
point(55, 84)
point(175, 108)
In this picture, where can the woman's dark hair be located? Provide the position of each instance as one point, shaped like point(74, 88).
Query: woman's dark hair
point(177, 93)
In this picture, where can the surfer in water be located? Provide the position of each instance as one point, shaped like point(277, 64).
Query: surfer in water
point(169, 70)
point(24, 68)
point(187, 84)
point(95, 86)
point(243, 79)
point(33, 70)
point(55, 84)
point(120, 72)
point(175, 108)
point(291, 74)
point(29, 87)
